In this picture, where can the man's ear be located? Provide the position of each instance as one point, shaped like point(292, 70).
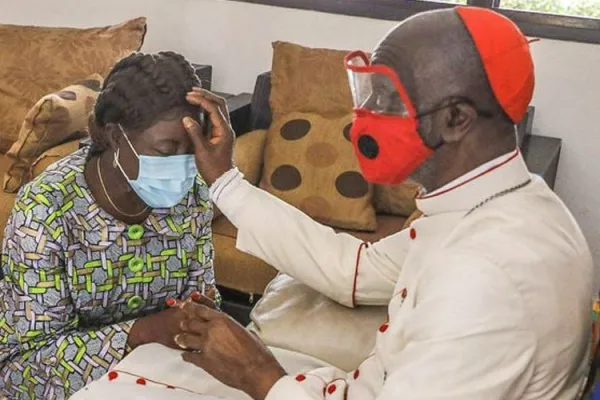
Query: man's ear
point(457, 121)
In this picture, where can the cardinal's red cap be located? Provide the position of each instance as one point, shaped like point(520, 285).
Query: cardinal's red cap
point(506, 58)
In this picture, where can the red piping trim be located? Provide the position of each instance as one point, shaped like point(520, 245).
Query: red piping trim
point(155, 382)
point(517, 152)
point(363, 244)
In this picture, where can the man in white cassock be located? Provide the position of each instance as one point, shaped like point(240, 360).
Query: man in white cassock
point(489, 294)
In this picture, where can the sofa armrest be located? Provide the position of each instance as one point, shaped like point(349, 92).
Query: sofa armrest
point(204, 72)
point(239, 112)
point(525, 127)
point(260, 111)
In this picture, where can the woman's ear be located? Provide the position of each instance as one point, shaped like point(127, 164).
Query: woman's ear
point(457, 121)
point(113, 135)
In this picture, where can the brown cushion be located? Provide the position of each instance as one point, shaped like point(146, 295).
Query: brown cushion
point(248, 157)
point(7, 200)
point(396, 199)
point(413, 217)
point(310, 164)
point(248, 154)
point(51, 156)
point(386, 225)
point(40, 60)
point(56, 118)
point(309, 80)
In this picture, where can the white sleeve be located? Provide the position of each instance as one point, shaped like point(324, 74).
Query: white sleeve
point(337, 265)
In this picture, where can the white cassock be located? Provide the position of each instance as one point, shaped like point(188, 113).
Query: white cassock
point(489, 296)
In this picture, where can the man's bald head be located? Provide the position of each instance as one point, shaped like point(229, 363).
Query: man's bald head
point(435, 58)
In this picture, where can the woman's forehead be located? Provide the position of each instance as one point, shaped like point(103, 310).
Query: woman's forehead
point(168, 129)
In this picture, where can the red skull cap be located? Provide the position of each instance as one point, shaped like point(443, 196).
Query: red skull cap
point(506, 58)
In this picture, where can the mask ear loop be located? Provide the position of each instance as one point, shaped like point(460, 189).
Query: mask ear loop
point(116, 161)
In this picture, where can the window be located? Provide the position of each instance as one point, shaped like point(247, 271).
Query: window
point(574, 20)
point(578, 8)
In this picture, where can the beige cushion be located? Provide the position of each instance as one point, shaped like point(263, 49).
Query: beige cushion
point(293, 316)
point(55, 119)
point(53, 155)
point(309, 80)
point(248, 157)
point(396, 199)
point(248, 154)
point(7, 200)
point(35, 61)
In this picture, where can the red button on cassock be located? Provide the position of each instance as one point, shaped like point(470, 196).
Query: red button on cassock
point(356, 374)
point(331, 389)
point(413, 234)
point(112, 375)
point(300, 378)
point(141, 381)
point(383, 328)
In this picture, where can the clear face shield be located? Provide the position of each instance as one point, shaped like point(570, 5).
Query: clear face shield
point(376, 88)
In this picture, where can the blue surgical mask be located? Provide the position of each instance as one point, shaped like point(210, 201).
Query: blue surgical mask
point(162, 182)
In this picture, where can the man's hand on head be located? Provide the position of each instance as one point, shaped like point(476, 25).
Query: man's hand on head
point(213, 151)
point(226, 350)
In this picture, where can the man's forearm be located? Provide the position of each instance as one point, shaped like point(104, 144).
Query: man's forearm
point(295, 244)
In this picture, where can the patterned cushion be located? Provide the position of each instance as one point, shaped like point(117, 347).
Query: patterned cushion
point(54, 119)
point(39, 60)
point(309, 163)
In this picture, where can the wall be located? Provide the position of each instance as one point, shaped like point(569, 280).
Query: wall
point(235, 38)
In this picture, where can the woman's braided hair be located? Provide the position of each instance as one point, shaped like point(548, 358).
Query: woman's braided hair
point(138, 91)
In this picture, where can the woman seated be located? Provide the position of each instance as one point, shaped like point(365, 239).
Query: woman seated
point(106, 239)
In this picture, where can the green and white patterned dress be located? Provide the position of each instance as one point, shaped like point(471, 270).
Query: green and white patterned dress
point(75, 279)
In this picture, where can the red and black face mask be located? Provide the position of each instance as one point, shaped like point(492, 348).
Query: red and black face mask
point(384, 131)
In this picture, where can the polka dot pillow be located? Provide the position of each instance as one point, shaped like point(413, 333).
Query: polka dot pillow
point(309, 163)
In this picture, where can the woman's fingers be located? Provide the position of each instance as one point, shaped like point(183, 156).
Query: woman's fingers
point(189, 341)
